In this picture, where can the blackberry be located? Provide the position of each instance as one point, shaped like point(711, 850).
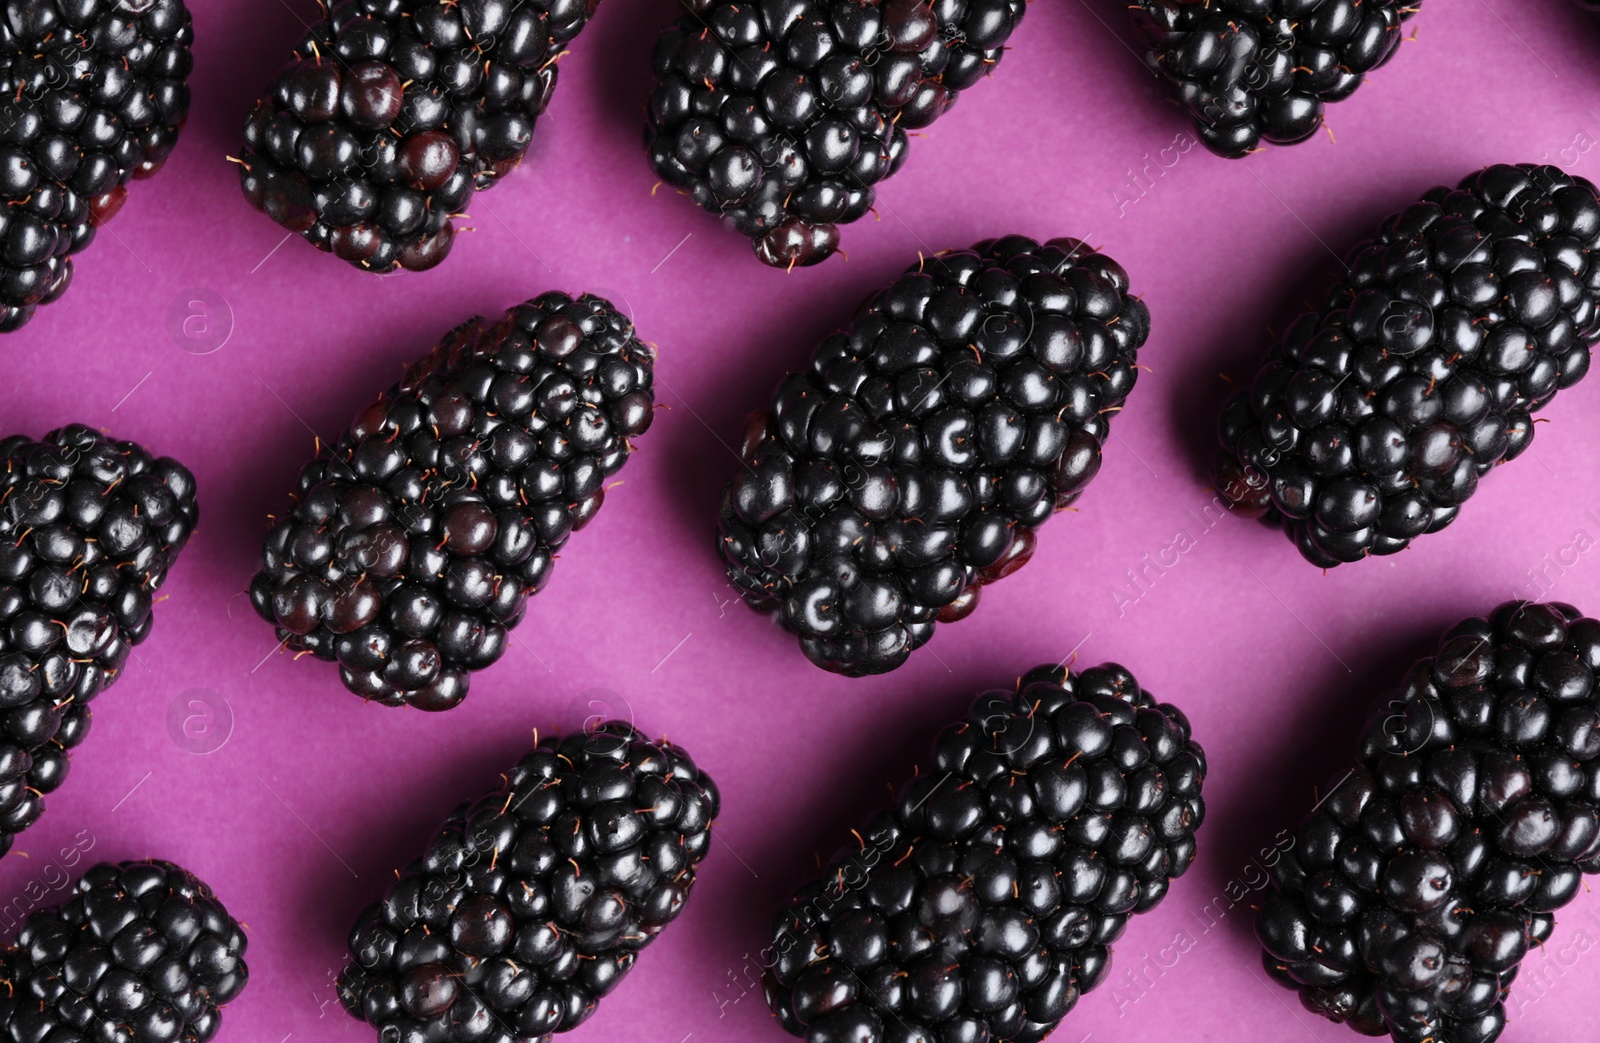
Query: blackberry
point(1473, 810)
point(88, 529)
point(532, 903)
point(1372, 420)
point(1262, 70)
point(915, 458)
point(92, 95)
point(418, 536)
point(392, 113)
point(141, 951)
point(783, 116)
point(986, 901)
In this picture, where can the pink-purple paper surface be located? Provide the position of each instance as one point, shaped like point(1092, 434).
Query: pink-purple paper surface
point(302, 814)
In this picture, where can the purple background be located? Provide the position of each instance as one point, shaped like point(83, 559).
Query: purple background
point(300, 818)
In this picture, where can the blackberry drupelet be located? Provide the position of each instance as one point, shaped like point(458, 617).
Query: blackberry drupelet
point(88, 529)
point(1372, 420)
point(141, 951)
point(392, 113)
point(782, 116)
point(1262, 70)
point(915, 458)
point(418, 536)
point(92, 94)
point(986, 901)
point(1472, 812)
point(533, 902)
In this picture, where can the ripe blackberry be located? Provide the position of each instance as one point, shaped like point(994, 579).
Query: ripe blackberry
point(1473, 811)
point(393, 112)
point(141, 951)
point(1257, 70)
point(914, 460)
point(782, 116)
point(985, 902)
point(418, 536)
point(533, 902)
point(92, 94)
point(1372, 420)
point(88, 529)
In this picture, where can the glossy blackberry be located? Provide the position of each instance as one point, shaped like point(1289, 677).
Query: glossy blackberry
point(1472, 812)
point(986, 901)
point(92, 94)
point(141, 951)
point(532, 902)
point(417, 538)
point(88, 529)
point(782, 116)
point(1253, 71)
point(1372, 420)
point(915, 458)
point(392, 113)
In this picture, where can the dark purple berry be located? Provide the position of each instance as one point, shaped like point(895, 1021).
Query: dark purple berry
point(1251, 72)
point(372, 142)
point(783, 119)
point(145, 946)
point(1372, 420)
point(420, 534)
point(510, 909)
point(914, 460)
point(95, 95)
point(1429, 869)
point(88, 529)
point(982, 904)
